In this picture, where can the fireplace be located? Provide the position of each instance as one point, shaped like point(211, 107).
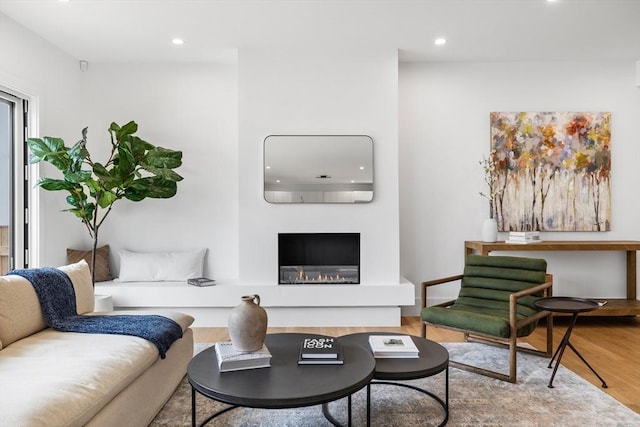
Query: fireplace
point(318, 258)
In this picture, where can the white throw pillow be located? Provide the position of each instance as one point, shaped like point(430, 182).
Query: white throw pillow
point(160, 266)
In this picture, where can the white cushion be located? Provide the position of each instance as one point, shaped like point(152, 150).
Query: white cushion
point(160, 266)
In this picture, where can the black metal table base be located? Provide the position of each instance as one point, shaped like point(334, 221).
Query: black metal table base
point(443, 403)
point(560, 351)
point(325, 412)
point(331, 419)
point(210, 417)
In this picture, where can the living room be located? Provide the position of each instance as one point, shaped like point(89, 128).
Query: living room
point(428, 118)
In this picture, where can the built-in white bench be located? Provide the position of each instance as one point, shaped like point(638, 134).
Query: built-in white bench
point(286, 305)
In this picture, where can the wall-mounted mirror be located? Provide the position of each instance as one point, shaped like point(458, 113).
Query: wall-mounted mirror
point(318, 169)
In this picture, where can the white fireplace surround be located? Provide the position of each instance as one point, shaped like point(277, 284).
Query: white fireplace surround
point(310, 305)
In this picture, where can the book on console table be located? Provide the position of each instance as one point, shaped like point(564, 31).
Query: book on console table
point(524, 237)
point(229, 359)
point(393, 346)
point(320, 351)
point(201, 281)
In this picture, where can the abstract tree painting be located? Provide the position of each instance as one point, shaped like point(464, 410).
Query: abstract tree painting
point(553, 171)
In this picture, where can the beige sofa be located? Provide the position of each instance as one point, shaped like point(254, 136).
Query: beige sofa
point(50, 378)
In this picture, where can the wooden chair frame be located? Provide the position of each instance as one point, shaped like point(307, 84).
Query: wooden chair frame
point(512, 341)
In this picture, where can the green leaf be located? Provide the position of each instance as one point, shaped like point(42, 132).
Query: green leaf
point(51, 184)
point(106, 178)
point(153, 187)
point(162, 158)
point(107, 198)
point(77, 177)
point(168, 174)
point(126, 160)
point(51, 150)
point(78, 153)
point(128, 129)
point(38, 149)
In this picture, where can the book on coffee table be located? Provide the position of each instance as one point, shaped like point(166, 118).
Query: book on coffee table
point(230, 359)
point(393, 346)
point(320, 351)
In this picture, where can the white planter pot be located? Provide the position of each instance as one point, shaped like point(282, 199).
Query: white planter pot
point(490, 230)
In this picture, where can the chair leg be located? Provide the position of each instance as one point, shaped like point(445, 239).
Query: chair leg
point(423, 329)
point(513, 365)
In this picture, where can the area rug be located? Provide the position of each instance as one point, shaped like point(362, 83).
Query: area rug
point(474, 400)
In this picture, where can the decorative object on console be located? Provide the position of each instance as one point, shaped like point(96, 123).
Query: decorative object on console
point(247, 324)
point(490, 230)
point(161, 266)
point(554, 169)
point(230, 359)
point(490, 225)
point(103, 273)
point(134, 170)
point(393, 346)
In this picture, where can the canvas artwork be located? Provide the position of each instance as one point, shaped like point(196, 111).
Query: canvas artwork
point(553, 170)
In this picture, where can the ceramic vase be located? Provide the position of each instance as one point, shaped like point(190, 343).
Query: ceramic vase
point(490, 230)
point(247, 324)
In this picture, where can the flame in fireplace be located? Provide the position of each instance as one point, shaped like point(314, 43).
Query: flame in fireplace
point(303, 277)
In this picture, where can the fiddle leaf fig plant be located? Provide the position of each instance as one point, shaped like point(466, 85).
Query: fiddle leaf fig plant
point(134, 170)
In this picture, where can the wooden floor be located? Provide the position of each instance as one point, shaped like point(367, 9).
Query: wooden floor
point(610, 344)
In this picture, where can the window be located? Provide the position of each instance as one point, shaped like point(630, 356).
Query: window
point(14, 186)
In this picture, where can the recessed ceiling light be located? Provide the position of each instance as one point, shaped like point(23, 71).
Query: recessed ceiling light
point(277, 180)
point(177, 41)
point(361, 168)
point(268, 167)
point(440, 41)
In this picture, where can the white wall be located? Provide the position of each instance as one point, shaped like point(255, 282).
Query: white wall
point(38, 70)
point(444, 131)
point(187, 107)
point(306, 91)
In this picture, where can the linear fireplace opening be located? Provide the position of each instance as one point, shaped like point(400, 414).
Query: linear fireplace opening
point(318, 258)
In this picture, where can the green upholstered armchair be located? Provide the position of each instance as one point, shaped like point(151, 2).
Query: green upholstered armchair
point(495, 305)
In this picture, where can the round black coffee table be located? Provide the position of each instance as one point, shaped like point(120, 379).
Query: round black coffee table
point(283, 385)
point(433, 359)
point(574, 306)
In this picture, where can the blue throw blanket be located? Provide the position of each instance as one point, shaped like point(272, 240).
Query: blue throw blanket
point(58, 301)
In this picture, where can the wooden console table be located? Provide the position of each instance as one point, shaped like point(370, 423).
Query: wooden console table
point(615, 307)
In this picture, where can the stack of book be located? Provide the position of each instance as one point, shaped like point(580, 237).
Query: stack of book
point(230, 359)
point(524, 237)
point(393, 346)
point(320, 351)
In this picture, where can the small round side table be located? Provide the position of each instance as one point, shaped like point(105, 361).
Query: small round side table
point(574, 306)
